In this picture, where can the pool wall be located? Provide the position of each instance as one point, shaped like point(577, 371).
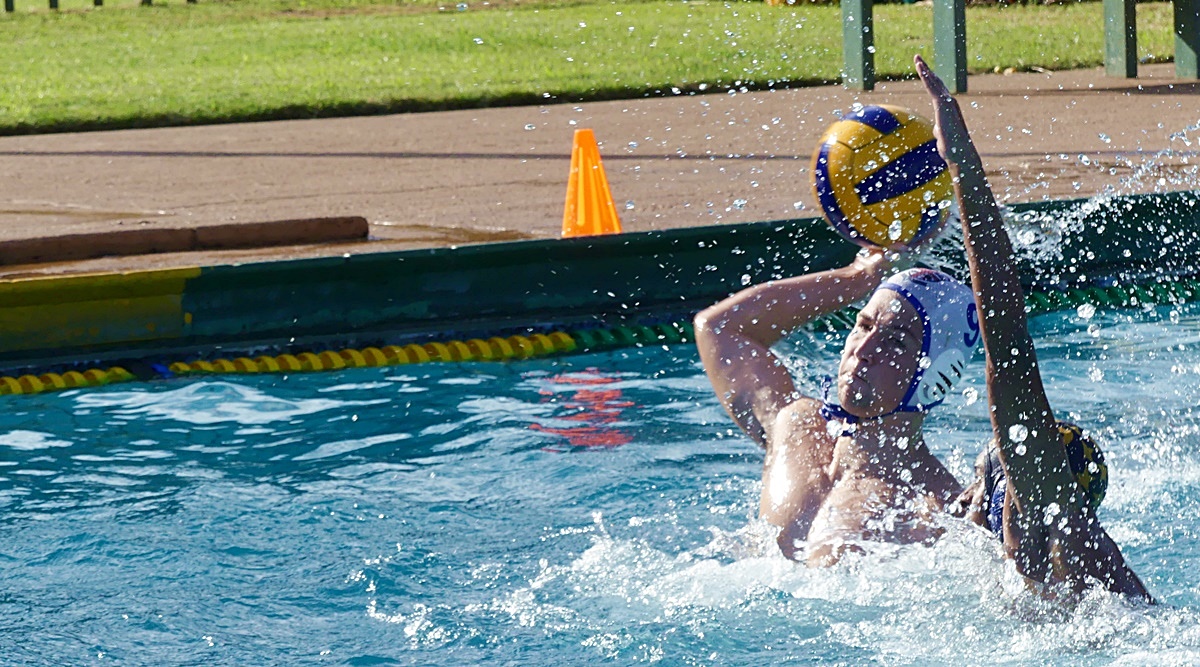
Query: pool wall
point(529, 288)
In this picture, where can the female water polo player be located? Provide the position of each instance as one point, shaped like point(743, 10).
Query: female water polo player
point(852, 466)
point(1047, 516)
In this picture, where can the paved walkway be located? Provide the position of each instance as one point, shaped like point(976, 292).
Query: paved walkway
point(437, 179)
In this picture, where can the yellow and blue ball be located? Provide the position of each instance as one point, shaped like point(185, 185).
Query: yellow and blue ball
point(879, 178)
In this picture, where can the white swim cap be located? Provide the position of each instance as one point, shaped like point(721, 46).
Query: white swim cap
point(950, 321)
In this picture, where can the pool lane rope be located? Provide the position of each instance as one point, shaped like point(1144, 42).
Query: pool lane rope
point(548, 344)
point(475, 349)
point(36, 384)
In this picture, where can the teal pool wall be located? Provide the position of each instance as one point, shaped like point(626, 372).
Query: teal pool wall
point(531, 286)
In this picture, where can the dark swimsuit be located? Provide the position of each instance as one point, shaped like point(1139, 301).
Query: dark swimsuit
point(1083, 455)
point(995, 485)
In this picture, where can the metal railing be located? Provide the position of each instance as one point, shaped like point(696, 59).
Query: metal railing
point(950, 41)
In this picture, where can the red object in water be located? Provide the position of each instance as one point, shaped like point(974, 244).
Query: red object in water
point(598, 410)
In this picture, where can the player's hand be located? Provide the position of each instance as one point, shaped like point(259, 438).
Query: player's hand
point(876, 263)
point(954, 143)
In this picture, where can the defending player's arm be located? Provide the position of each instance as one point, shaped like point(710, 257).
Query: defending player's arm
point(1055, 537)
point(1034, 459)
point(735, 336)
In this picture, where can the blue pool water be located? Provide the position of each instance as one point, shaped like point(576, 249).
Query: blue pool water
point(594, 509)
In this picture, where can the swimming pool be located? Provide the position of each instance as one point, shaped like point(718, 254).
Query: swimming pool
point(587, 509)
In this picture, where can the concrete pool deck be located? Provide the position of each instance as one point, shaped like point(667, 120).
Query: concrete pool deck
point(472, 176)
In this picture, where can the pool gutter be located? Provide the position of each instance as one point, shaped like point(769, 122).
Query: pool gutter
point(527, 287)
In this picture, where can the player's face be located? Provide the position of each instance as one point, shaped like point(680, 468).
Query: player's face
point(880, 357)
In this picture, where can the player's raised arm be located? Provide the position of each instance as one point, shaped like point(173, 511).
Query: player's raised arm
point(1034, 459)
point(735, 336)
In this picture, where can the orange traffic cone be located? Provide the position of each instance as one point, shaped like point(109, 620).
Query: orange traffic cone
point(590, 209)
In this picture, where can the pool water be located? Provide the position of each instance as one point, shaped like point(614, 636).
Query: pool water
point(595, 509)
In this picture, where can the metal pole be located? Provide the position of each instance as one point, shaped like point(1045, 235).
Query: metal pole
point(1120, 38)
point(858, 44)
point(950, 43)
point(1187, 38)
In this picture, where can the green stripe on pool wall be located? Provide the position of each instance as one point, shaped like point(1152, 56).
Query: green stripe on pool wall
point(1102, 241)
point(575, 284)
point(581, 280)
point(631, 277)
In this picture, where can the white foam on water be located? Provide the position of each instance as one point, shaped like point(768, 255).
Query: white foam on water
point(210, 403)
point(896, 604)
point(28, 441)
point(331, 449)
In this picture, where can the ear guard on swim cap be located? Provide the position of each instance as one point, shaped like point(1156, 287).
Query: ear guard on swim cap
point(1086, 461)
point(950, 325)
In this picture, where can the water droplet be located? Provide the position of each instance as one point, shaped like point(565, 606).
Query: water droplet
point(739, 204)
point(1020, 450)
point(1018, 433)
point(895, 230)
point(970, 395)
point(479, 40)
point(629, 205)
point(745, 279)
point(1095, 374)
point(1094, 330)
point(1085, 311)
point(530, 126)
point(925, 363)
point(799, 205)
point(1105, 138)
point(462, 6)
point(902, 442)
point(633, 144)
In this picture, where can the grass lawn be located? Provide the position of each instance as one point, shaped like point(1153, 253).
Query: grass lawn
point(128, 66)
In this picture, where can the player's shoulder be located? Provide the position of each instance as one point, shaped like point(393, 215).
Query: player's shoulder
point(801, 420)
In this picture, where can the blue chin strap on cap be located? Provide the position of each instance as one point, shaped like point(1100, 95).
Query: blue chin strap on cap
point(950, 332)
